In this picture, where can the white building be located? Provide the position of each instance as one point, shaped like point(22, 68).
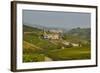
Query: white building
point(53, 34)
point(73, 44)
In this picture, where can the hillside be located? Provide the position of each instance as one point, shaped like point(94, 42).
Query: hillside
point(29, 29)
point(83, 33)
point(36, 48)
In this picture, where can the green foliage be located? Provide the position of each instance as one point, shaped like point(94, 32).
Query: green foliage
point(33, 57)
point(82, 33)
point(40, 42)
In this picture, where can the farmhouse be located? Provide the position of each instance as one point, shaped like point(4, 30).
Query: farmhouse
point(73, 44)
point(52, 34)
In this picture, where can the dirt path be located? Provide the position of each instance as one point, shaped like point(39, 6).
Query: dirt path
point(47, 58)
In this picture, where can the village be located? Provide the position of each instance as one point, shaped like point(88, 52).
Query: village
point(57, 35)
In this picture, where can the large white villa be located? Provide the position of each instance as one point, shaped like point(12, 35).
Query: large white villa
point(53, 34)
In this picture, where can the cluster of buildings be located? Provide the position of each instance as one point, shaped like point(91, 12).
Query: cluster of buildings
point(73, 44)
point(52, 34)
point(56, 35)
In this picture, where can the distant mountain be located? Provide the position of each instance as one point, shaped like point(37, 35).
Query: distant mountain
point(48, 27)
point(30, 29)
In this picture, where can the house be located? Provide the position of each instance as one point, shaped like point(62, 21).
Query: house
point(66, 43)
point(52, 34)
point(73, 44)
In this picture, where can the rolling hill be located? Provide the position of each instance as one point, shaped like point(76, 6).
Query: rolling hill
point(36, 48)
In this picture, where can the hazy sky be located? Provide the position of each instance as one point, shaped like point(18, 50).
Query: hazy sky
point(56, 19)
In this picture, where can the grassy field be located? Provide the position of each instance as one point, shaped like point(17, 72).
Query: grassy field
point(70, 53)
point(37, 49)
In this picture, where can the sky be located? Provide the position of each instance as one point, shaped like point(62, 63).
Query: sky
point(53, 19)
